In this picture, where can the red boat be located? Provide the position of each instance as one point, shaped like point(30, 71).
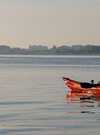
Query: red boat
point(81, 88)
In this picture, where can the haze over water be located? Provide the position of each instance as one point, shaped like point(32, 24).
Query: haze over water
point(32, 96)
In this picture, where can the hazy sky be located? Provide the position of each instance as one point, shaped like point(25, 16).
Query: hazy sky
point(24, 22)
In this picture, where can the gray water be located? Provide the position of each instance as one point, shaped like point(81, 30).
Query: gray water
point(32, 96)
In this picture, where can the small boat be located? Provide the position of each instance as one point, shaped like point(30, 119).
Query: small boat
point(81, 88)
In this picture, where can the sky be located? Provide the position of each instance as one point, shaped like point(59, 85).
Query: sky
point(49, 22)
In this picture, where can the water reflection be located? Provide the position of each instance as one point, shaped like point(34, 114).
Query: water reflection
point(87, 105)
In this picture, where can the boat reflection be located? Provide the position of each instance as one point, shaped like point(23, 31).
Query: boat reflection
point(87, 104)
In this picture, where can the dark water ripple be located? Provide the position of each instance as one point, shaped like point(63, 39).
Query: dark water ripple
point(49, 60)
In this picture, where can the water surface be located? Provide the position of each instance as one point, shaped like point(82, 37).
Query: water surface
point(32, 96)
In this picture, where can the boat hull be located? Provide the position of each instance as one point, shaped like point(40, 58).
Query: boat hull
point(75, 88)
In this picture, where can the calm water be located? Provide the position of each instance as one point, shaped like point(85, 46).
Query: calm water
point(32, 94)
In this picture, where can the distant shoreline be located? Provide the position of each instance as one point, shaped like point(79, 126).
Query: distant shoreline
point(64, 50)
